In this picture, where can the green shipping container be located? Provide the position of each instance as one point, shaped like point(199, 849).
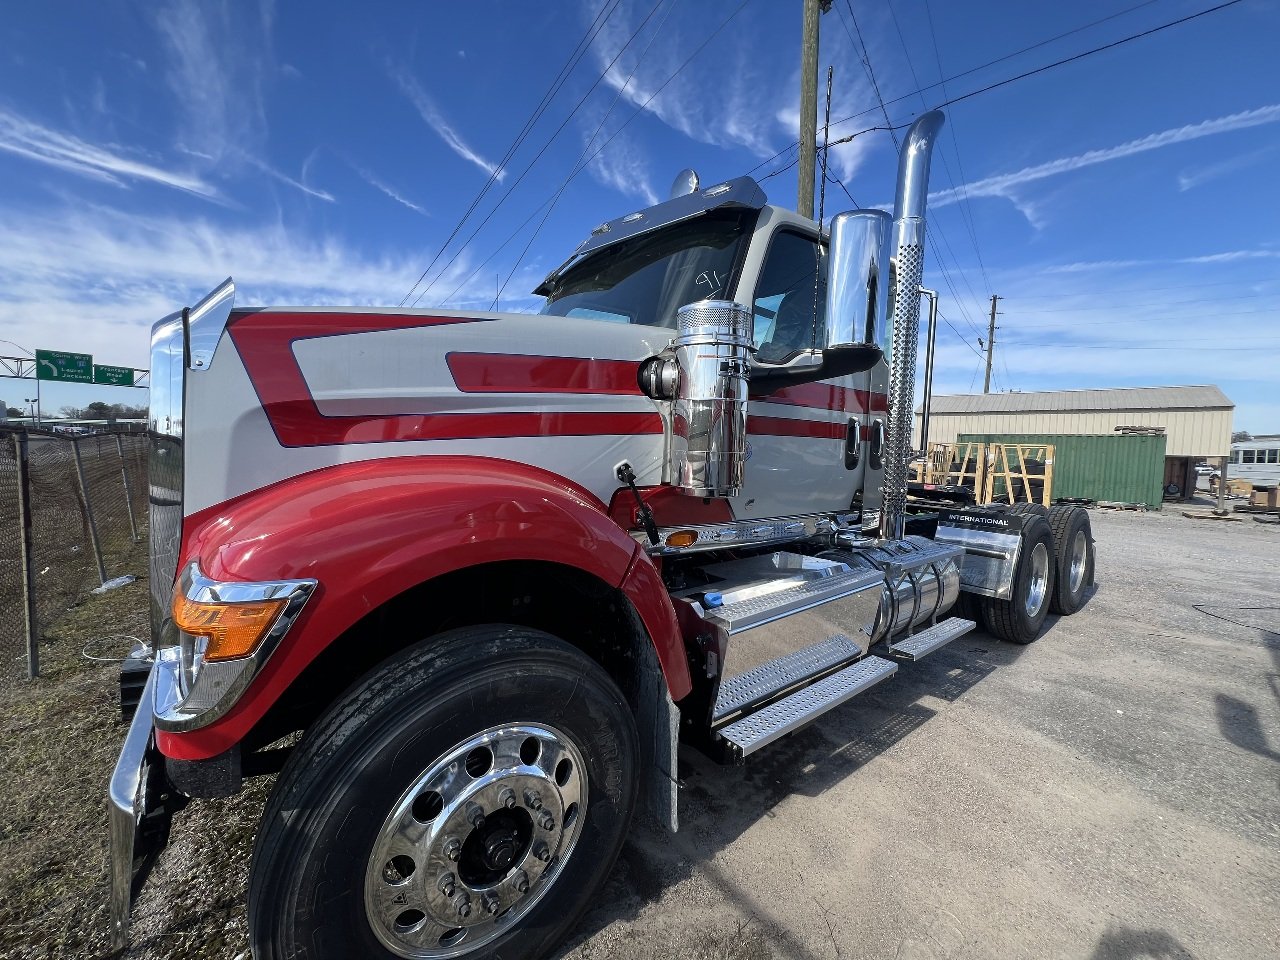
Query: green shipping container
point(1107, 466)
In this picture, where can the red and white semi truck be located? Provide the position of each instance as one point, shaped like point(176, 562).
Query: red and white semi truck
point(467, 580)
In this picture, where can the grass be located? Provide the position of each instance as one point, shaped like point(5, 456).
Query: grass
point(59, 738)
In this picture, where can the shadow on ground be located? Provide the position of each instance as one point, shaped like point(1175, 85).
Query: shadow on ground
point(718, 803)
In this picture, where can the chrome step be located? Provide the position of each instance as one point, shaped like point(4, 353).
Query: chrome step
point(926, 641)
point(756, 611)
point(747, 689)
point(791, 713)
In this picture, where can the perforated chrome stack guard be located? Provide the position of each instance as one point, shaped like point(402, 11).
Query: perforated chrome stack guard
point(908, 239)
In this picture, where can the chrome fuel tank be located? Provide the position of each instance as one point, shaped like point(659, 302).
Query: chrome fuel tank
point(922, 580)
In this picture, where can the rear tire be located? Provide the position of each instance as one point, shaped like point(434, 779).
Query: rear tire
point(1020, 618)
point(1022, 509)
point(1073, 546)
point(379, 805)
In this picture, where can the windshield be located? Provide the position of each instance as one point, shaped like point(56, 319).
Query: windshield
point(645, 280)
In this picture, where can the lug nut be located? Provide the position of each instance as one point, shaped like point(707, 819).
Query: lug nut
point(462, 903)
point(532, 800)
point(491, 902)
point(542, 852)
point(546, 821)
point(445, 885)
point(520, 880)
point(475, 814)
point(452, 847)
point(507, 798)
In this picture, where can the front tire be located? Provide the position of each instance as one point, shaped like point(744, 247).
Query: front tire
point(1020, 618)
point(464, 800)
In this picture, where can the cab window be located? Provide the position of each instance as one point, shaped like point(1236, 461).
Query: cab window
point(790, 297)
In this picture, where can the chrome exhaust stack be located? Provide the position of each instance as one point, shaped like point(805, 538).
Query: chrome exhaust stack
point(908, 246)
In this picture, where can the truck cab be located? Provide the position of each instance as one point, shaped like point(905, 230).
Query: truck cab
point(469, 581)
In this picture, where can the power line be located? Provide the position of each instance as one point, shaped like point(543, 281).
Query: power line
point(1056, 63)
point(538, 156)
point(935, 226)
point(967, 206)
point(840, 183)
point(1079, 56)
point(595, 133)
point(875, 86)
point(1009, 56)
point(579, 51)
point(574, 173)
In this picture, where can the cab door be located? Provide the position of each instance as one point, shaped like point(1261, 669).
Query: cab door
point(806, 452)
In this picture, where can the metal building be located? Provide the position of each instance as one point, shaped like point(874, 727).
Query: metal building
point(1196, 420)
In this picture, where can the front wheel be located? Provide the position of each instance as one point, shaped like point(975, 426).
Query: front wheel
point(465, 800)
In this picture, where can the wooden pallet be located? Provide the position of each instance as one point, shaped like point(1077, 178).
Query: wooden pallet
point(996, 472)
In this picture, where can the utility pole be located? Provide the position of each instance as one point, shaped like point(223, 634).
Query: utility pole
point(991, 343)
point(809, 103)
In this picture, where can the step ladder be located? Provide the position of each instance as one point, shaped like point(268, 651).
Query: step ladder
point(789, 714)
point(922, 644)
point(814, 680)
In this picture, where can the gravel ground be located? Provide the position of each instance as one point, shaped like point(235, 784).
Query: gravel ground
point(1112, 791)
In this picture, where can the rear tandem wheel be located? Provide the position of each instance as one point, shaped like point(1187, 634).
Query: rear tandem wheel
point(1020, 618)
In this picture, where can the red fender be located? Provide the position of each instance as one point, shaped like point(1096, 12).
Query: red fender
point(371, 530)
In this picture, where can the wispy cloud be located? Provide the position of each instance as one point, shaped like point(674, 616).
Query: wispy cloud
point(275, 174)
point(1005, 185)
point(378, 183)
point(1194, 177)
point(740, 92)
point(27, 138)
point(107, 275)
point(215, 62)
point(622, 167)
point(433, 118)
point(1226, 256)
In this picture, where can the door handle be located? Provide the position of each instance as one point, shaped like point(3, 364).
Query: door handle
point(852, 445)
point(877, 444)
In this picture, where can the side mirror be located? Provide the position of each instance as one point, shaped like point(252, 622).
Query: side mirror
point(857, 280)
point(857, 306)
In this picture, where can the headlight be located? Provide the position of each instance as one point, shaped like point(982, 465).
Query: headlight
point(226, 632)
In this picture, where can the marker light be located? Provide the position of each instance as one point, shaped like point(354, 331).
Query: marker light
point(230, 629)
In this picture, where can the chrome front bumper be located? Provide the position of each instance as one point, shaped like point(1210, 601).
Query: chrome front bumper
point(133, 803)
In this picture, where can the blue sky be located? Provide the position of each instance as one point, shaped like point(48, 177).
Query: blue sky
point(1125, 206)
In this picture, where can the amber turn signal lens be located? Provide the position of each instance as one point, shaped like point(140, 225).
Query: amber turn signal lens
point(233, 629)
point(682, 538)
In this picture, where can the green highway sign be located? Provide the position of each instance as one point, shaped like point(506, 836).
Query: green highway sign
point(60, 365)
point(113, 376)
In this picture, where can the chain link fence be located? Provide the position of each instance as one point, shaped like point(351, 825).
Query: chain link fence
point(72, 516)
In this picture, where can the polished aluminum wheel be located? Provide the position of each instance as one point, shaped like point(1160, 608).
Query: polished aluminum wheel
point(1038, 588)
point(476, 841)
point(1079, 560)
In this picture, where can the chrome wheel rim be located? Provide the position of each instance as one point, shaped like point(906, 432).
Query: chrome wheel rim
point(476, 841)
point(1079, 556)
point(1039, 585)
